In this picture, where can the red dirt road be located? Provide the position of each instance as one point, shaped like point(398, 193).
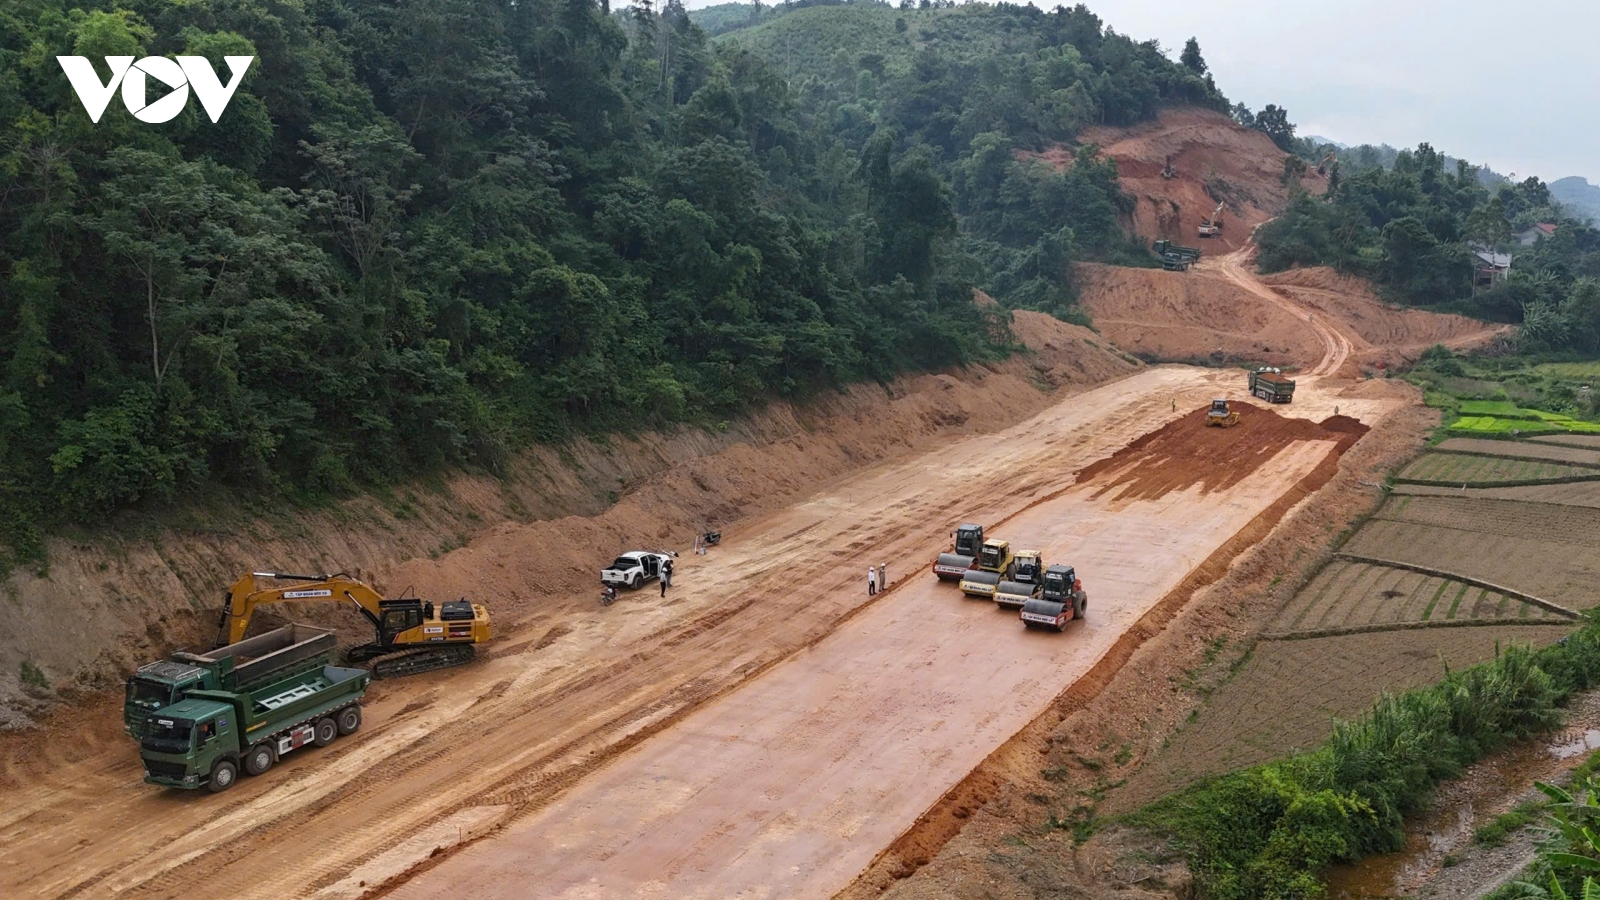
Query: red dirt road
point(791, 785)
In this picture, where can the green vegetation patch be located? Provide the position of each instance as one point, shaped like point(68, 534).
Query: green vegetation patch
point(1268, 831)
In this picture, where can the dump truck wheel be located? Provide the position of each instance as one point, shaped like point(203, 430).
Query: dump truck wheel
point(349, 719)
point(223, 775)
point(325, 731)
point(259, 760)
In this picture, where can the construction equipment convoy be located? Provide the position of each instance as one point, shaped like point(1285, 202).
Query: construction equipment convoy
point(952, 566)
point(1271, 385)
point(1220, 415)
point(278, 654)
point(411, 635)
point(1212, 225)
point(206, 738)
point(1061, 599)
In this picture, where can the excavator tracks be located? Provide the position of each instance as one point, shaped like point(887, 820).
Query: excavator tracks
point(413, 662)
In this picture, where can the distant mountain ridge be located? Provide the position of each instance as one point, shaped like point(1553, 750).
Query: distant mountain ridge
point(1578, 195)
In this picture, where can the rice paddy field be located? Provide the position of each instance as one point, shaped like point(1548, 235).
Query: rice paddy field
point(1475, 470)
point(1350, 595)
point(1366, 623)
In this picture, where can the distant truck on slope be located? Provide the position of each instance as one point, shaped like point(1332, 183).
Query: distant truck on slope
point(206, 738)
point(277, 654)
point(1271, 385)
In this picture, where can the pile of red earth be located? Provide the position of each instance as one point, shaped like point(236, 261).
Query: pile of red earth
point(1188, 453)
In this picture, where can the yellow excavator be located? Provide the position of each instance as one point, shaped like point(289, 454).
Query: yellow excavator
point(412, 635)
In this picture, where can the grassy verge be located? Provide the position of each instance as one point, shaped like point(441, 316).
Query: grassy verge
point(1268, 832)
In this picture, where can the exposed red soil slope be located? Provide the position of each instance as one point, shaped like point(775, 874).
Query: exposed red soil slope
point(1216, 160)
point(1186, 315)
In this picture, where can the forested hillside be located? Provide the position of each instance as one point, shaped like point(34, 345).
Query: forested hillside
point(1413, 228)
point(971, 86)
point(427, 232)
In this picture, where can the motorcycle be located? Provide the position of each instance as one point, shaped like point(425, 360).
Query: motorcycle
point(608, 596)
point(711, 538)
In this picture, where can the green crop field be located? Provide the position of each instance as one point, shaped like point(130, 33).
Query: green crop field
point(1492, 408)
point(1533, 422)
point(1570, 370)
point(1461, 468)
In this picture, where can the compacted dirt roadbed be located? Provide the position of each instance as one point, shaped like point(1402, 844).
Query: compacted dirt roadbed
point(763, 731)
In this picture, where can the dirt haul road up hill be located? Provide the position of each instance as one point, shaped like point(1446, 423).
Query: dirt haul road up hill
point(1220, 310)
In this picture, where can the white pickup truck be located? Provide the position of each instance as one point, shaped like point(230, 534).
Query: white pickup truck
point(633, 568)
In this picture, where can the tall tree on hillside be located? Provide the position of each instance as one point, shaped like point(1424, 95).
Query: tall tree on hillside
point(1191, 57)
point(1274, 120)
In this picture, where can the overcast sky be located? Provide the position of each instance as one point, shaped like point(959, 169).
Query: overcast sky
point(1509, 84)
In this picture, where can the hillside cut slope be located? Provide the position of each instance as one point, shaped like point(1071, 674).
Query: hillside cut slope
point(1215, 160)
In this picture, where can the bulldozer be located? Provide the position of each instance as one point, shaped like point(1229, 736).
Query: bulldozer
point(410, 635)
point(1220, 415)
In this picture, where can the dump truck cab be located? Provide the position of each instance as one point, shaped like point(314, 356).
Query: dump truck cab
point(1029, 567)
point(966, 541)
point(156, 686)
point(995, 556)
point(1271, 385)
point(183, 743)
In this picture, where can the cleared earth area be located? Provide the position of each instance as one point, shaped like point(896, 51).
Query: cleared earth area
point(921, 676)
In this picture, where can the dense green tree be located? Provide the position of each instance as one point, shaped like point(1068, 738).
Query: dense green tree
point(1274, 121)
point(1191, 58)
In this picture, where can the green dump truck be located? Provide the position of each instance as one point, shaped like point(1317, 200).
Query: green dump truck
point(1167, 248)
point(1271, 385)
point(273, 656)
point(206, 738)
